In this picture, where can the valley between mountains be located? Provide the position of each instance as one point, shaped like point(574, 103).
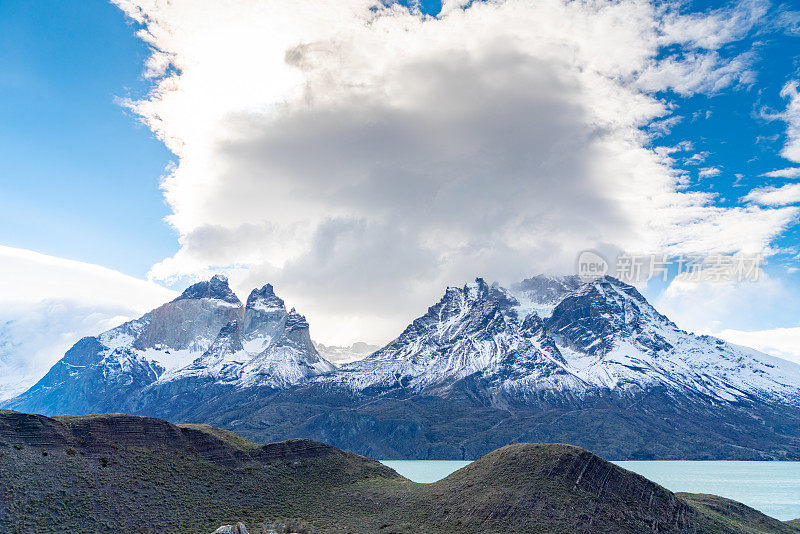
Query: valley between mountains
point(548, 360)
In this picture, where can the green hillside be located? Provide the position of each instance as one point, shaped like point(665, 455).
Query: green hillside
point(121, 473)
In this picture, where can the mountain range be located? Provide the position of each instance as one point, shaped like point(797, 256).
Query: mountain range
point(550, 359)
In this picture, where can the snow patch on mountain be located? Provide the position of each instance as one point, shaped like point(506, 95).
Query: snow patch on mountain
point(541, 293)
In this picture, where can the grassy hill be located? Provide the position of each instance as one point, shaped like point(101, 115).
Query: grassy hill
point(121, 473)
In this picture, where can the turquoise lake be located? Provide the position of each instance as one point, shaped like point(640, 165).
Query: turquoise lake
point(771, 487)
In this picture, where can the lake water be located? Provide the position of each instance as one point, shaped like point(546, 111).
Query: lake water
point(771, 487)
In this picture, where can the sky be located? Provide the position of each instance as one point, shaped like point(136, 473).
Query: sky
point(361, 156)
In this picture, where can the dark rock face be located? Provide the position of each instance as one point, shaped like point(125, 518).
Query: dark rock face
point(217, 288)
point(589, 320)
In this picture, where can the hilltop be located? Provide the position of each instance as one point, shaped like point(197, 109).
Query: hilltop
point(122, 473)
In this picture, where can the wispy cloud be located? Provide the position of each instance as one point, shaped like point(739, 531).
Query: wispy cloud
point(49, 303)
point(775, 196)
point(709, 172)
point(791, 150)
point(790, 172)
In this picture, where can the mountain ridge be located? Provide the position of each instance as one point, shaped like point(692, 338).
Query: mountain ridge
point(482, 358)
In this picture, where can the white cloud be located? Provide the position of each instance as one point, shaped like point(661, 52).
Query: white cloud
point(791, 172)
point(713, 29)
point(709, 307)
point(48, 303)
point(697, 158)
point(774, 196)
point(361, 156)
point(709, 172)
point(791, 150)
point(781, 342)
point(698, 72)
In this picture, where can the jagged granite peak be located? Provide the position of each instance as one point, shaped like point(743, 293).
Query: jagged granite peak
point(264, 299)
point(271, 348)
point(476, 307)
point(215, 288)
point(296, 336)
point(295, 321)
point(205, 334)
point(184, 324)
point(265, 318)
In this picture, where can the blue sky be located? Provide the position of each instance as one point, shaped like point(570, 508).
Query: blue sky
point(80, 174)
point(733, 127)
point(730, 125)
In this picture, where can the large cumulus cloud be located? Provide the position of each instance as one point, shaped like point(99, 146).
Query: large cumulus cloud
point(361, 155)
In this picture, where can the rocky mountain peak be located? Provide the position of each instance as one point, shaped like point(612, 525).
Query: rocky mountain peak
point(296, 321)
point(265, 299)
point(477, 293)
point(477, 289)
point(618, 296)
point(216, 288)
point(600, 313)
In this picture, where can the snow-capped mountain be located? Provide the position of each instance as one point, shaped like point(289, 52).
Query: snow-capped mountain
point(551, 359)
point(205, 335)
point(272, 347)
point(474, 329)
point(600, 337)
point(613, 338)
